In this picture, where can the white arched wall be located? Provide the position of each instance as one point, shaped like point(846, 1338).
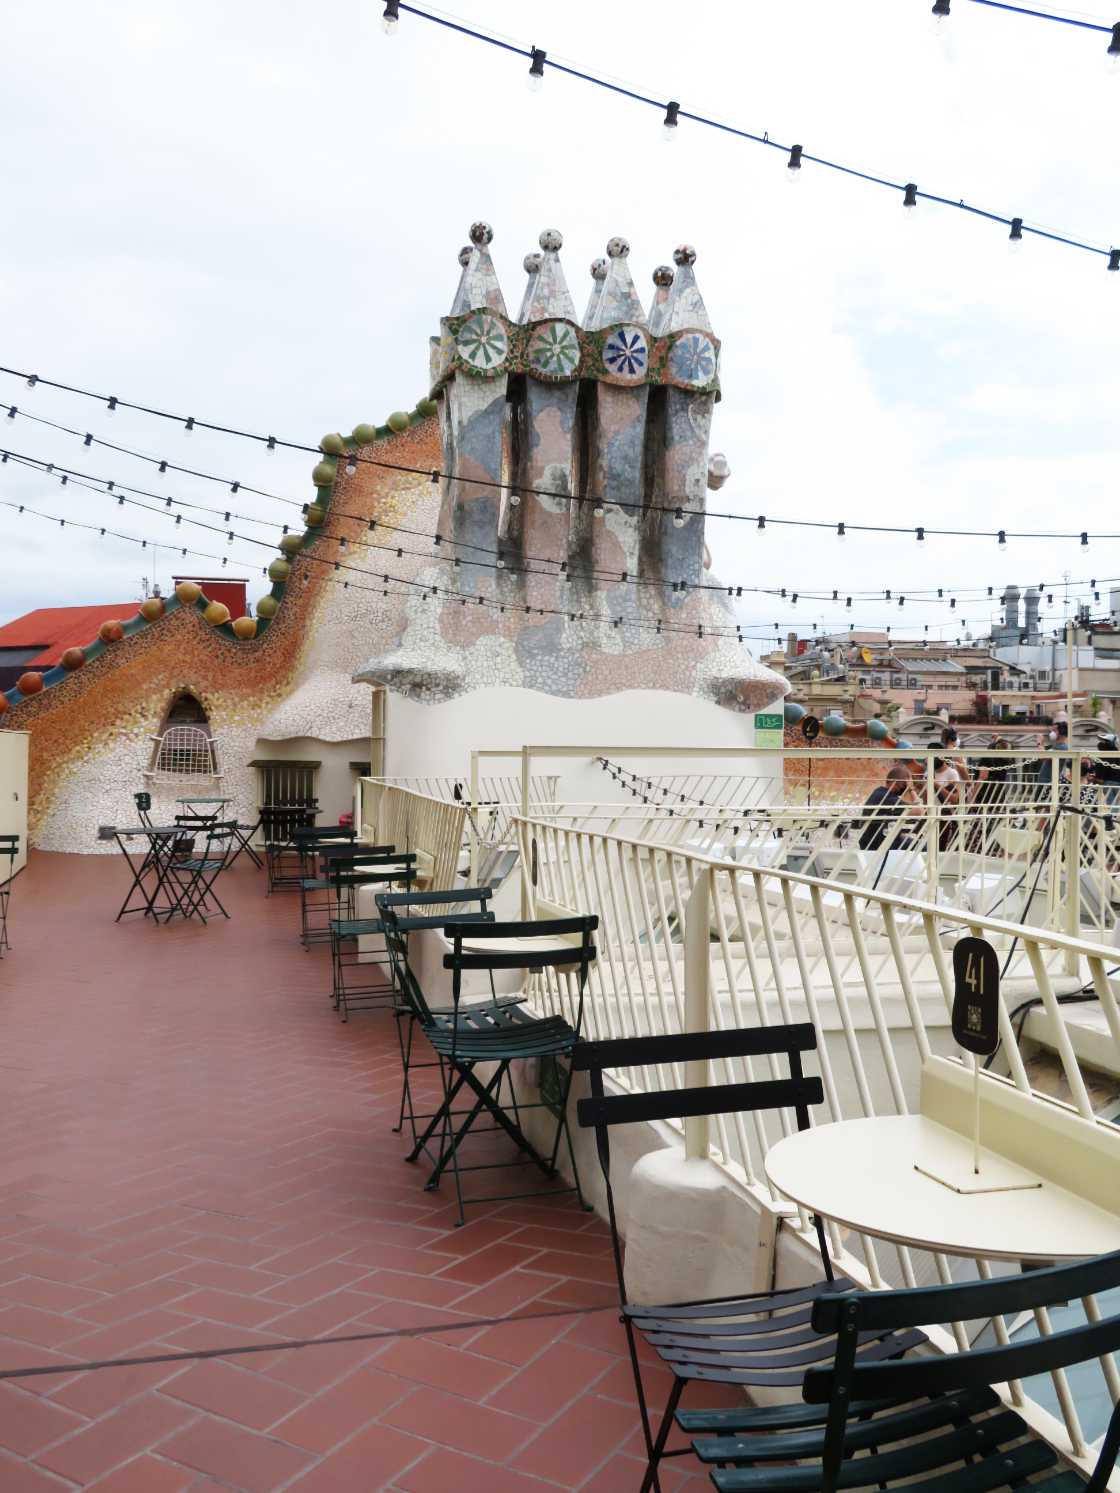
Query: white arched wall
point(438, 739)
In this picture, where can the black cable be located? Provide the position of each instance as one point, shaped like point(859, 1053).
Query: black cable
point(638, 505)
point(755, 138)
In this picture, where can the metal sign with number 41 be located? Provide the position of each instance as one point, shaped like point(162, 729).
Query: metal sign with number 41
point(976, 996)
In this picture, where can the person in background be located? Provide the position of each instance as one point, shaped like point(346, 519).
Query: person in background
point(895, 797)
point(950, 742)
point(1058, 742)
point(993, 779)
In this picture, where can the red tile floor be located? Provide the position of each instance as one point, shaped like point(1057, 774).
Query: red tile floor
point(195, 1154)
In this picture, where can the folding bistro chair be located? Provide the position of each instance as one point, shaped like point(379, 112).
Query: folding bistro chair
point(932, 1423)
point(143, 802)
point(279, 823)
point(190, 879)
point(329, 895)
point(409, 1004)
point(762, 1338)
point(9, 846)
point(498, 1037)
point(243, 834)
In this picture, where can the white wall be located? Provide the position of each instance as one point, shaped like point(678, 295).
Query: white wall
point(438, 739)
point(335, 781)
point(13, 792)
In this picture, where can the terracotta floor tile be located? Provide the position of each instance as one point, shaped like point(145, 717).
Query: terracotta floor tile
point(146, 1475)
point(443, 1368)
point(581, 1437)
point(29, 1422)
point(558, 1375)
point(235, 1393)
point(24, 1477)
point(235, 1456)
point(487, 1264)
point(46, 1329)
point(442, 1470)
point(50, 1295)
point(361, 1397)
point(460, 1424)
point(97, 1392)
point(369, 1461)
point(136, 1427)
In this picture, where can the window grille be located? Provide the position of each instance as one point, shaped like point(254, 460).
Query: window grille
point(285, 783)
point(186, 751)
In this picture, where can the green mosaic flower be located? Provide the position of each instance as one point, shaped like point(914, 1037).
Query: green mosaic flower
point(482, 341)
point(554, 350)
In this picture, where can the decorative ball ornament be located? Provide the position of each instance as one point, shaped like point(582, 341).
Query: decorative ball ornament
point(323, 475)
point(481, 234)
point(153, 608)
point(316, 513)
point(719, 469)
point(663, 276)
point(111, 632)
point(332, 445)
point(279, 570)
point(877, 730)
point(465, 255)
point(427, 408)
point(216, 613)
point(399, 420)
point(906, 745)
point(245, 627)
point(618, 248)
point(5, 704)
point(30, 684)
point(73, 659)
point(532, 263)
point(551, 240)
point(363, 435)
point(267, 607)
point(834, 725)
point(684, 254)
point(599, 268)
point(794, 713)
point(291, 544)
point(188, 593)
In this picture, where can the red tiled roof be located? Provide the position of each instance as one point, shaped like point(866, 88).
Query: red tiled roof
point(57, 628)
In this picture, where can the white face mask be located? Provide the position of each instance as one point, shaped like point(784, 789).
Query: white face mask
point(1053, 735)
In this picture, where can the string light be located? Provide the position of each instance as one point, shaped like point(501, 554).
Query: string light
point(390, 17)
point(910, 194)
point(537, 57)
point(669, 124)
point(1015, 237)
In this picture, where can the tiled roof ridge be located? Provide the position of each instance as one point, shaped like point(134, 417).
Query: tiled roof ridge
point(190, 595)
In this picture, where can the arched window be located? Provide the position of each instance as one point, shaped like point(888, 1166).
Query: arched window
point(185, 747)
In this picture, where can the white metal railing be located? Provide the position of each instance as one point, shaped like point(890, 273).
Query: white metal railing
point(688, 942)
point(414, 823)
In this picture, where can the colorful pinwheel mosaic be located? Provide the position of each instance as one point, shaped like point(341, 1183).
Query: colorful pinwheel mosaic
point(693, 359)
point(554, 350)
point(626, 352)
point(482, 341)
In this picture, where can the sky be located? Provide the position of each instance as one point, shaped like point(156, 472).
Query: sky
point(251, 213)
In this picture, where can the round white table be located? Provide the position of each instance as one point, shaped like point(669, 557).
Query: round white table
point(864, 1174)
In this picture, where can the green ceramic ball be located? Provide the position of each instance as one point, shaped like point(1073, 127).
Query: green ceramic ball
point(333, 445)
point(399, 420)
point(279, 570)
point(362, 435)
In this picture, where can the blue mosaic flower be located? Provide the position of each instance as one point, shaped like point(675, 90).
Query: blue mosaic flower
point(693, 359)
point(626, 352)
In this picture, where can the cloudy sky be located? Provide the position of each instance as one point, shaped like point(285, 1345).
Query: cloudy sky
point(251, 213)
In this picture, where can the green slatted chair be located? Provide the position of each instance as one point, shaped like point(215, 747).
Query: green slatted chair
point(932, 1423)
point(9, 847)
point(757, 1339)
point(328, 891)
point(495, 1035)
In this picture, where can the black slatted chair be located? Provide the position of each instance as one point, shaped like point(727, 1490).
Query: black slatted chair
point(326, 892)
point(143, 802)
point(189, 881)
point(9, 848)
point(283, 860)
point(495, 1036)
point(932, 1423)
point(412, 912)
point(762, 1338)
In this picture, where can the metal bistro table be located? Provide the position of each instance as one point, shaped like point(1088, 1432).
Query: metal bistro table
point(149, 876)
point(212, 810)
point(868, 1175)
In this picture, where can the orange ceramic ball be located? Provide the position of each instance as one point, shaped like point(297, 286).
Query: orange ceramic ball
point(29, 684)
point(245, 627)
point(111, 632)
point(73, 658)
point(4, 706)
point(152, 609)
point(188, 593)
point(216, 613)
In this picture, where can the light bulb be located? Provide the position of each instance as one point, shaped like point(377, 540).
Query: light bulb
point(535, 80)
point(351, 467)
point(909, 200)
point(841, 532)
point(1002, 540)
point(188, 428)
point(793, 165)
point(111, 407)
point(32, 380)
point(598, 511)
point(920, 533)
point(678, 519)
point(1084, 543)
point(669, 124)
point(515, 500)
point(1015, 237)
point(1114, 48)
point(390, 17)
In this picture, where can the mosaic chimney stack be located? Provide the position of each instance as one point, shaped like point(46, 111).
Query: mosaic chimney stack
point(590, 429)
